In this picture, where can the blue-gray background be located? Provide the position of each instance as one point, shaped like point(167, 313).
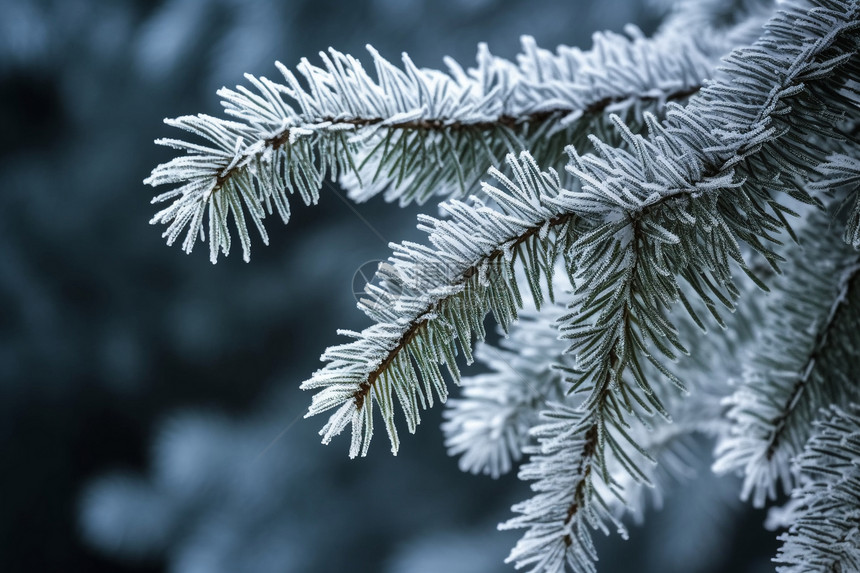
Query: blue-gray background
point(149, 402)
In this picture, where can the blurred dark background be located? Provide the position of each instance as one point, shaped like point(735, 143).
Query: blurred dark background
point(150, 416)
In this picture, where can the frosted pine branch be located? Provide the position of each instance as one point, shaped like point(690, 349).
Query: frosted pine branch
point(621, 186)
point(686, 188)
point(825, 530)
point(410, 132)
point(469, 274)
point(577, 453)
point(802, 365)
point(657, 191)
point(565, 508)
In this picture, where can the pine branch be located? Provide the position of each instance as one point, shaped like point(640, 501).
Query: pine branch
point(594, 463)
point(616, 188)
point(691, 188)
point(410, 133)
point(568, 501)
point(825, 533)
point(470, 274)
point(603, 462)
point(583, 485)
point(804, 363)
point(566, 506)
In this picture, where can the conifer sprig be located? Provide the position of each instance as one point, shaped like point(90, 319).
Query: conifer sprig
point(470, 273)
point(804, 362)
point(694, 187)
point(680, 174)
point(825, 530)
point(410, 133)
point(578, 451)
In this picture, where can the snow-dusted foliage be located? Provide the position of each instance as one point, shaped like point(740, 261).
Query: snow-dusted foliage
point(825, 513)
point(408, 132)
point(804, 362)
point(677, 210)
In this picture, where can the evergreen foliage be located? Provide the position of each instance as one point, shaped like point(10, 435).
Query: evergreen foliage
point(823, 532)
point(657, 204)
